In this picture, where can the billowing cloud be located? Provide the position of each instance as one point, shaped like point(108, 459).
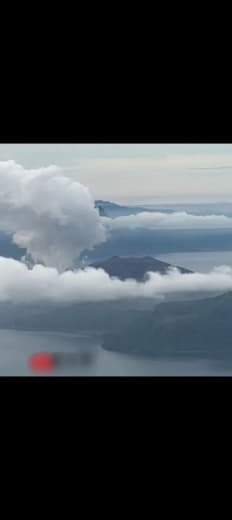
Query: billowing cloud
point(50, 215)
point(177, 220)
point(18, 284)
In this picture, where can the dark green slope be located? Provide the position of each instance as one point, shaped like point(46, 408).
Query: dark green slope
point(200, 328)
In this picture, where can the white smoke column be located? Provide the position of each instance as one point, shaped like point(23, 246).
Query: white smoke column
point(19, 284)
point(50, 215)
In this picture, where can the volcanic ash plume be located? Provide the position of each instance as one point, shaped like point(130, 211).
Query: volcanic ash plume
point(50, 215)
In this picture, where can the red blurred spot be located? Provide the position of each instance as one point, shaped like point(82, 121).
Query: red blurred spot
point(42, 362)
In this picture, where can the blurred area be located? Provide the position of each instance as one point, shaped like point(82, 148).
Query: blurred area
point(47, 362)
point(51, 354)
point(37, 353)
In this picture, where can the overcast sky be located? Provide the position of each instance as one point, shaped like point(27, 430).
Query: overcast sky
point(137, 173)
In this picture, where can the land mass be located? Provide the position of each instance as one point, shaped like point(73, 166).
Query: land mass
point(200, 329)
point(134, 267)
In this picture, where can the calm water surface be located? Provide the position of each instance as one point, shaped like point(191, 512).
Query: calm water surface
point(17, 346)
point(198, 261)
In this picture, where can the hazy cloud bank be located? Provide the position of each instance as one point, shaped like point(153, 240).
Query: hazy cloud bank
point(177, 220)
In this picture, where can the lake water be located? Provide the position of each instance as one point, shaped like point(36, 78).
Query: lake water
point(17, 346)
point(198, 261)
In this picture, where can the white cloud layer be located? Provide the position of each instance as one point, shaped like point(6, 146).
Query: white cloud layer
point(50, 215)
point(22, 285)
point(177, 220)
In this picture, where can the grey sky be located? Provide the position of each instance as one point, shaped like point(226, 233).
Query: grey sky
point(137, 173)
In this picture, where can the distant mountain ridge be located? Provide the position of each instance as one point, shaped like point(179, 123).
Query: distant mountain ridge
point(134, 267)
point(215, 208)
point(113, 210)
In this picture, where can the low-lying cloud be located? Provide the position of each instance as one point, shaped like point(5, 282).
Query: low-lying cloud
point(176, 220)
point(19, 284)
point(50, 215)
